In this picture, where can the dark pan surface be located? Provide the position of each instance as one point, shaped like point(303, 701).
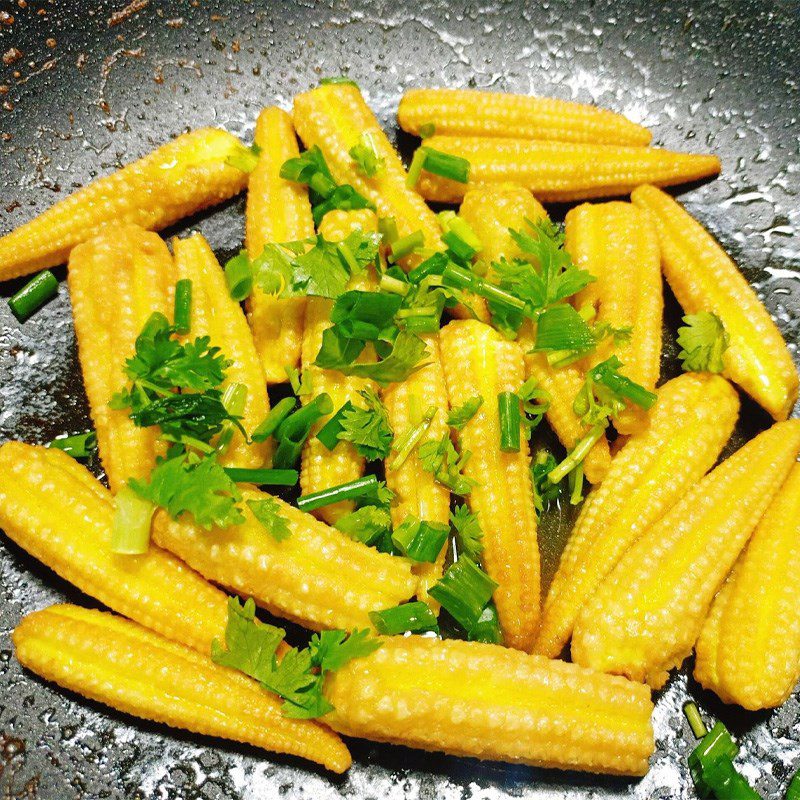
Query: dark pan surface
point(702, 75)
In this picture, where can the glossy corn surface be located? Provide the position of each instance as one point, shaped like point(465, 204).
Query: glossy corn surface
point(478, 361)
point(748, 652)
point(116, 662)
point(691, 421)
point(417, 492)
point(317, 576)
point(618, 244)
point(53, 508)
point(334, 117)
point(216, 315)
point(277, 211)
point(471, 112)
point(646, 615)
point(704, 278)
point(490, 702)
point(121, 262)
point(561, 171)
point(174, 181)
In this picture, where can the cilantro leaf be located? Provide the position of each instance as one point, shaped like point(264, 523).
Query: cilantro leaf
point(368, 428)
point(368, 524)
point(469, 535)
point(320, 271)
point(704, 341)
point(441, 459)
point(268, 512)
point(300, 688)
point(331, 650)
point(461, 415)
point(366, 157)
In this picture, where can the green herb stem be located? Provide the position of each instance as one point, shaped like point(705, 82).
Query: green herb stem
point(362, 487)
point(273, 420)
point(33, 295)
point(328, 434)
point(464, 591)
point(182, 315)
point(130, 534)
point(239, 276)
point(80, 445)
point(406, 245)
point(694, 719)
point(510, 422)
point(414, 617)
point(404, 446)
point(419, 540)
point(263, 477)
point(577, 454)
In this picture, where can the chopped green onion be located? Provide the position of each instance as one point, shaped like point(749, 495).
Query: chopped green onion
point(487, 628)
point(460, 278)
point(273, 420)
point(508, 409)
point(387, 227)
point(694, 719)
point(420, 540)
point(368, 525)
point(459, 236)
point(182, 315)
point(577, 454)
point(244, 158)
point(404, 446)
point(414, 617)
point(406, 245)
point(415, 168)
point(427, 129)
point(435, 265)
point(300, 380)
point(575, 484)
point(80, 445)
point(607, 374)
point(233, 399)
point(426, 319)
point(130, 534)
point(33, 295)
point(338, 80)
point(393, 285)
point(263, 477)
point(329, 433)
point(360, 488)
point(464, 590)
point(294, 430)
point(561, 328)
point(446, 165)
point(239, 276)
point(287, 453)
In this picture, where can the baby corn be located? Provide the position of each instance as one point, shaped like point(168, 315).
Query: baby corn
point(277, 211)
point(125, 262)
point(691, 421)
point(486, 701)
point(560, 171)
point(174, 181)
point(749, 649)
point(125, 666)
point(704, 278)
point(478, 361)
point(618, 244)
point(470, 112)
point(646, 615)
point(334, 117)
point(317, 576)
point(55, 509)
point(417, 493)
point(216, 315)
point(322, 468)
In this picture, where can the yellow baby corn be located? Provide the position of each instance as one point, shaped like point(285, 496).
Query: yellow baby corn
point(216, 315)
point(560, 171)
point(55, 509)
point(417, 493)
point(478, 361)
point(704, 278)
point(116, 662)
point(691, 421)
point(486, 701)
point(120, 262)
point(335, 117)
point(471, 112)
point(618, 244)
point(317, 576)
point(277, 211)
point(749, 649)
point(646, 615)
point(174, 181)
point(322, 468)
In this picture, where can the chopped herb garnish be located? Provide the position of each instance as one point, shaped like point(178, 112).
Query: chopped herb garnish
point(459, 237)
point(263, 477)
point(469, 536)
point(301, 381)
point(365, 155)
point(328, 434)
point(182, 314)
point(363, 489)
point(436, 162)
point(239, 276)
point(272, 421)
point(406, 245)
point(545, 491)
point(704, 341)
point(338, 80)
point(440, 458)
point(33, 295)
point(414, 617)
point(420, 540)
point(268, 512)
point(426, 130)
point(79, 445)
point(130, 534)
point(487, 628)
point(296, 428)
point(461, 415)
point(464, 591)
point(561, 327)
point(244, 158)
point(535, 403)
point(510, 421)
point(368, 428)
point(369, 525)
point(404, 445)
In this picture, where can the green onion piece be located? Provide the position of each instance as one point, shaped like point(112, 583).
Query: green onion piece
point(459, 278)
point(387, 227)
point(80, 445)
point(448, 166)
point(338, 80)
point(487, 628)
point(459, 236)
point(427, 129)
point(297, 425)
point(404, 446)
point(263, 477)
point(322, 184)
point(606, 373)
point(406, 245)
point(329, 433)
point(415, 168)
point(239, 276)
point(464, 590)
point(409, 618)
point(577, 454)
point(182, 315)
point(561, 328)
point(420, 540)
point(420, 320)
point(435, 265)
point(362, 487)
point(130, 534)
point(287, 453)
point(694, 719)
point(346, 254)
point(244, 158)
point(273, 420)
point(575, 484)
point(33, 295)
point(393, 285)
point(508, 409)
point(233, 399)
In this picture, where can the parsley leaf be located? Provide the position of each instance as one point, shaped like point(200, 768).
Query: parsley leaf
point(366, 157)
point(704, 341)
point(441, 459)
point(368, 428)
point(461, 415)
point(268, 512)
point(469, 535)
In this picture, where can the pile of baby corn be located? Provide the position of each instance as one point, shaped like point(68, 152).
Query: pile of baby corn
point(670, 553)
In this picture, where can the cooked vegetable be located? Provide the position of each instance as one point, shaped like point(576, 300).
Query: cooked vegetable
point(408, 618)
point(703, 341)
point(618, 244)
point(646, 615)
point(335, 117)
point(216, 315)
point(33, 295)
point(477, 360)
point(689, 425)
point(560, 171)
point(316, 576)
point(470, 112)
point(121, 261)
point(749, 649)
point(486, 701)
point(704, 278)
point(118, 663)
point(174, 181)
point(277, 211)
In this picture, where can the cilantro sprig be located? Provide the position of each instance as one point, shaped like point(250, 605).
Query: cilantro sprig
point(703, 341)
point(440, 458)
point(368, 428)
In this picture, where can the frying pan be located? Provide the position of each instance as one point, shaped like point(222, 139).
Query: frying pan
point(89, 96)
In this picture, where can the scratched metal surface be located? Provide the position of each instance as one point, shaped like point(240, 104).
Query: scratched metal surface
point(84, 98)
